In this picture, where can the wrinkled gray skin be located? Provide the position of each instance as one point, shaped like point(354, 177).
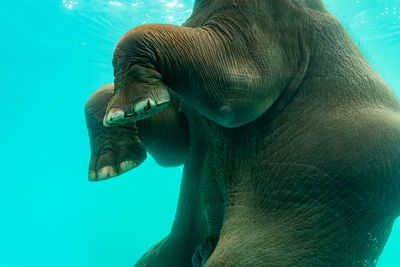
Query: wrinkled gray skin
point(290, 140)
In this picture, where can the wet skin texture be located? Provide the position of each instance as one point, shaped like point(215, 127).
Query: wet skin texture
point(290, 140)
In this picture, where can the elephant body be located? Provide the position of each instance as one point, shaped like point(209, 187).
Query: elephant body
point(274, 200)
point(307, 175)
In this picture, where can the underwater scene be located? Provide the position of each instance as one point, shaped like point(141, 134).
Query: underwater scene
point(54, 55)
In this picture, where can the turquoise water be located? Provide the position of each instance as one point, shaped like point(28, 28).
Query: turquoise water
point(54, 54)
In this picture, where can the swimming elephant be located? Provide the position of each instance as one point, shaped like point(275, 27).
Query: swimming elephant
point(290, 140)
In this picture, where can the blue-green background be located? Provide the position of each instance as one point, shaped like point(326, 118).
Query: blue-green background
point(53, 55)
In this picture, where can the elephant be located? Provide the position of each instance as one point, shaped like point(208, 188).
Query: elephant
point(290, 140)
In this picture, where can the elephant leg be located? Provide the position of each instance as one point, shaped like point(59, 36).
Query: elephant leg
point(114, 151)
point(203, 252)
point(220, 78)
point(190, 225)
point(140, 101)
